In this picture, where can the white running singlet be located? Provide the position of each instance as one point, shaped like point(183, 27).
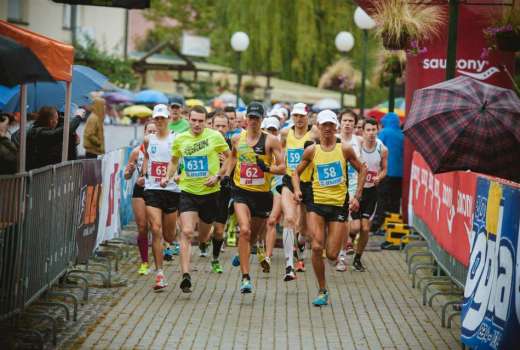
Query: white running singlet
point(373, 161)
point(159, 153)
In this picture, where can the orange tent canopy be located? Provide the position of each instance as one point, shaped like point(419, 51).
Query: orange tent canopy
point(56, 56)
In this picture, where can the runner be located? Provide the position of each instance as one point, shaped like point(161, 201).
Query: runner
point(135, 162)
point(257, 156)
point(199, 149)
point(348, 120)
point(327, 211)
point(293, 141)
point(271, 125)
point(161, 197)
point(374, 155)
point(177, 123)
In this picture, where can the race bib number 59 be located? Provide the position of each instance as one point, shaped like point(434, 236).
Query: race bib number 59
point(294, 157)
point(251, 174)
point(330, 174)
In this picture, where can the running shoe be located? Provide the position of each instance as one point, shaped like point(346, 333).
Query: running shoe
point(215, 267)
point(349, 249)
point(300, 266)
point(176, 248)
point(246, 286)
point(321, 300)
point(358, 266)
point(203, 250)
point(231, 231)
point(289, 274)
point(143, 269)
point(186, 283)
point(236, 261)
point(260, 254)
point(160, 282)
point(168, 254)
point(341, 266)
point(266, 264)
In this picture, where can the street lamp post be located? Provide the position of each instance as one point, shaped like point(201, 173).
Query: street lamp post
point(344, 43)
point(365, 23)
point(239, 43)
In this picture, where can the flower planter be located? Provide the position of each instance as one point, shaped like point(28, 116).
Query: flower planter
point(393, 44)
point(508, 41)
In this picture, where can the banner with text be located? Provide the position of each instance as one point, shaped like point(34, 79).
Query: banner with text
point(445, 203)
point(491, 310)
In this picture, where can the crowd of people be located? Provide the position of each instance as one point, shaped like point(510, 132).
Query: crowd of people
point(321, 177)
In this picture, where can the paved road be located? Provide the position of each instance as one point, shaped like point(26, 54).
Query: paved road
point(373, 310)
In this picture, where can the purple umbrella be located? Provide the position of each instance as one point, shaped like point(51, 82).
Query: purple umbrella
point(463, 124)
point(117, 97)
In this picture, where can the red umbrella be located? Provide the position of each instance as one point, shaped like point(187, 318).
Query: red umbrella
point(463, 124)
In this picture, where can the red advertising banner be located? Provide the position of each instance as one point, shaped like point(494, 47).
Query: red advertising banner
point(444, 202)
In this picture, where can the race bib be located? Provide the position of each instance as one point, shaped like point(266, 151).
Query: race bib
point(330, 174)
point(196, 166)
point(159, 169)
point(294, 157)
point(371, 177)
point(251, 174)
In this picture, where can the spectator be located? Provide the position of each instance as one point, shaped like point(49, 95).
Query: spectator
point(45, 138)
point(392, 137)
point(93, 135)
point(8, 151)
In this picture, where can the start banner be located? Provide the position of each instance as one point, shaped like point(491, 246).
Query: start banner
point(444, 202)
point(491, 310)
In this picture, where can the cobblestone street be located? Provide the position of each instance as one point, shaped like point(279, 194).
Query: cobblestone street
point(373, 310)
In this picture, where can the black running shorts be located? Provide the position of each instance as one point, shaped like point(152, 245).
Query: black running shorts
point(138, 191)
point(367, 205)
point(224, 197)
point(259, 203)
point(167, 201)
point(286, 182)
point(205, 205)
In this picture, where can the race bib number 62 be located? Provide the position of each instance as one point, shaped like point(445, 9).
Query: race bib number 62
point(251, 174)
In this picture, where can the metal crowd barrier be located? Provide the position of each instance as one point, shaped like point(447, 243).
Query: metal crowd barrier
point(38, 221)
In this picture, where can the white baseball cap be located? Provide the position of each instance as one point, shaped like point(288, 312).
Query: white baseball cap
point(160, 110)
point(271, 122)
point(327, 116)
point(299, 108)
point(276, 113)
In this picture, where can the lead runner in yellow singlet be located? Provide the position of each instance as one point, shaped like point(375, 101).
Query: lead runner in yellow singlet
point(255, 156)
point(329, 203)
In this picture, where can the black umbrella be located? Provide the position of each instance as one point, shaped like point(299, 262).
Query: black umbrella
point(19, 65)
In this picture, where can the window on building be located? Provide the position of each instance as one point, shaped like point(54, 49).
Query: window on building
point(67, 17)
point(16, 11)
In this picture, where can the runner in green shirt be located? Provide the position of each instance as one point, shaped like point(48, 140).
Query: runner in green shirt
point(198, 149)
point(177, 123)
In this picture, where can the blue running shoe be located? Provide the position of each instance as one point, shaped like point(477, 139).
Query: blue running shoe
point(176, 248)
point(246, 286)
point(236, 261)
point(321, 300)
point(168, 254)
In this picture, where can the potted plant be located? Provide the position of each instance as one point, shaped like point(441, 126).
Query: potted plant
point(400, 22)
point(390, 68)
point(340, 76)
point(504, 32)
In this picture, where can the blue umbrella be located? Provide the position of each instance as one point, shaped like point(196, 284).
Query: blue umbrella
point(150, 97)
point(6, 94)
point(84, 81)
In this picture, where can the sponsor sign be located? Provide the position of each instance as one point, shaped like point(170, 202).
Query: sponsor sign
point(491, 310)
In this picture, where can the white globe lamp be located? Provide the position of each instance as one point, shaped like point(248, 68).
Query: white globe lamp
point(363, 20)
point(239, 41)
point(344, 41)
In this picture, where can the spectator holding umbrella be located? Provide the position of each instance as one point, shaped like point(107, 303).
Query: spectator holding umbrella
point(392, 137)
point(45, 137)
point(94, 135)
point(8, 151)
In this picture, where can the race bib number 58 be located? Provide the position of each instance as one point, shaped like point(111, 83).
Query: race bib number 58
point(330, 174)
point(251, 174)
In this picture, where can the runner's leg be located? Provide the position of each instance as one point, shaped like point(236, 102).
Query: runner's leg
point(316, 226)
point(154, 216)
point(139, 208)
point(289, 227)
point(243, 216)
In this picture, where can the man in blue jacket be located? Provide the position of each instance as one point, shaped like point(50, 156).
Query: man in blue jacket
point(392, 137)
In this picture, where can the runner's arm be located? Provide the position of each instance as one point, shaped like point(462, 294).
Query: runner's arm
point(131, 166)
point(172, 168)
point(307, 156)
point(144, 170)
point(276, 151)
point(231, 161)
point(212, 180)
point(361, 168)
point(384, 166)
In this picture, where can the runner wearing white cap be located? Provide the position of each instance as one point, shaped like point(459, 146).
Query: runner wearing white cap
point(327, 209)
point(161, 198)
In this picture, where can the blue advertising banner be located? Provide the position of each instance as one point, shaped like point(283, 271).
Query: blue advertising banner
point(491, 310)
point(126, 213)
